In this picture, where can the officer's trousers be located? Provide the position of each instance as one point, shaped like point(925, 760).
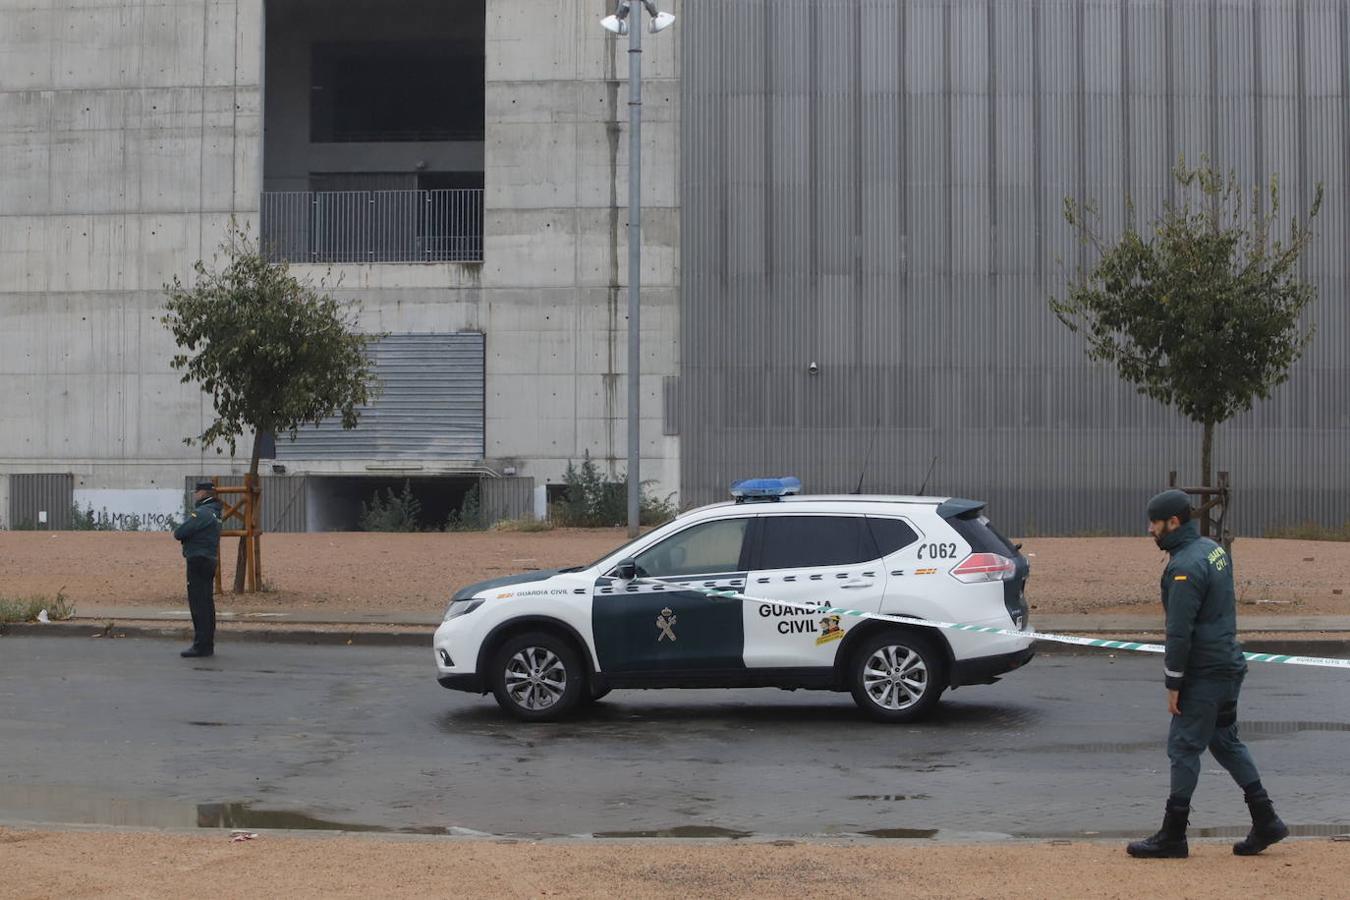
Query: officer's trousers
point(1208, 719)
point(201, 576)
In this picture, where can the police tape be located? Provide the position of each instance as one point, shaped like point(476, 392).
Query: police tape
point(1076, 640)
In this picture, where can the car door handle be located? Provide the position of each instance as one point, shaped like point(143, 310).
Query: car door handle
point(855, 585)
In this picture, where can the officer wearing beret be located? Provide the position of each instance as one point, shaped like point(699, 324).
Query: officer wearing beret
point(1204, 670)
point(200, 536)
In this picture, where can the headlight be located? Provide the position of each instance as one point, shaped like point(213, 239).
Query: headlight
point(461, 608)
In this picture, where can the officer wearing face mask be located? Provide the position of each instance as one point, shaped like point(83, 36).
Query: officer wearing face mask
point(1204, 671)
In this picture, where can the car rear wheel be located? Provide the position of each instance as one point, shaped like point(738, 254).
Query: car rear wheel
point(897, 676)
point(538, 677)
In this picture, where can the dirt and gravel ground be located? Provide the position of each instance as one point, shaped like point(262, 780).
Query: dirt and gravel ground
point(40, 864)
point(417, 572)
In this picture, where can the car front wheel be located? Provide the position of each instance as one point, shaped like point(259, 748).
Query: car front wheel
point(897, 676)
point(538, 677)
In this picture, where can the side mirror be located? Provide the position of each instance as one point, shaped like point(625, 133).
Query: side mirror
point(626, 570)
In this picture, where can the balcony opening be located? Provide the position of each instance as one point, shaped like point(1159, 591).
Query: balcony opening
point(373, 131)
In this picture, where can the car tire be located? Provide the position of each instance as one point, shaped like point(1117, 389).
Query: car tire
point(538, 677)
point(897, 675)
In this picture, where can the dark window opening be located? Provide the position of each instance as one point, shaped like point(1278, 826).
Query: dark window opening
point(396, 91)
point(801, 542)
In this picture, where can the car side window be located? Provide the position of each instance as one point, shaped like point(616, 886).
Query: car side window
point(702, 549)
point(891, 534)
point(800, 542)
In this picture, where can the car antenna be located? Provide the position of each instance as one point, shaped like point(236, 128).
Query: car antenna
point(867, 457)
point(923, 487)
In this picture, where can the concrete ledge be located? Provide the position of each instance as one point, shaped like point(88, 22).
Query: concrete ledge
point(327, 637)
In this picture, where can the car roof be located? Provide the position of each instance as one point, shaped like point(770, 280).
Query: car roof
point(804, 501)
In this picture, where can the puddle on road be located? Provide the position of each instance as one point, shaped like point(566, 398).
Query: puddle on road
point(243, 815)
point(77, 805)
point(70, 804)
point(903, 834)
point(679, 831)
point(1219, 831)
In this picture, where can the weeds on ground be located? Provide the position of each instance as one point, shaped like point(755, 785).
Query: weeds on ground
point(525, 525)
point(390, 512)
point(591, 501)
point(1310, 531)
point(469, 516)
point(26, 609)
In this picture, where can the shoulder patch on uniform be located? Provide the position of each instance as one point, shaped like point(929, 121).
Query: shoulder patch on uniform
point(1179, 578)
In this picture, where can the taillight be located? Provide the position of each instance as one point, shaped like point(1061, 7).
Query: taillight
point(980, 567)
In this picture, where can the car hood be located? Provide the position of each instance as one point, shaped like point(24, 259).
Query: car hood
point(472, 590)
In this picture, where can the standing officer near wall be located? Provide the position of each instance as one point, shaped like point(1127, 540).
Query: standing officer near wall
point(1204, 668)
point(200, 536)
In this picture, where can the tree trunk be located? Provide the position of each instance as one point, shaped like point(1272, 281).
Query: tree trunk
point(242, 555)
point(1207, 456)
point(1206, 471)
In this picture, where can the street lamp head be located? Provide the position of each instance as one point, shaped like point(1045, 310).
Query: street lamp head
point(614, 24)
point(662, 21)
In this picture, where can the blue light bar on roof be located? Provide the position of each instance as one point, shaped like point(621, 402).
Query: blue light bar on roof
point(769, 488)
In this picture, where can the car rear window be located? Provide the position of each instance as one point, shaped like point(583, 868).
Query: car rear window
point(891, 534)
point(799, 542)
point(981, 535)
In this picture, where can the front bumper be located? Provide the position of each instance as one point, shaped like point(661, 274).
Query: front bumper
point(987, 669)
point(470, 682)
point(456, 646)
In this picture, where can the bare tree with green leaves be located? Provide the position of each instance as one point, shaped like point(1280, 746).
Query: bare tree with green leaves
point(1204, 312)
point(273, 352)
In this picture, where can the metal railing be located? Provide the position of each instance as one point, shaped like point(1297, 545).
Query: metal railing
point(373, 226)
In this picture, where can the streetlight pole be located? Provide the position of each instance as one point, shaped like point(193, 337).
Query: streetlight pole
point(619, 23)
point(634, 274)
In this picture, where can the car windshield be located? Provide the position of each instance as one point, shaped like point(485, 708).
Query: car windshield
point(619, 549)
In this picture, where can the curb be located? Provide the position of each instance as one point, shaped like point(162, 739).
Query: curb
point(1332, 645)
point(342, 638)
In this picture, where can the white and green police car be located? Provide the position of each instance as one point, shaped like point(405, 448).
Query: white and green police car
point(547, 642)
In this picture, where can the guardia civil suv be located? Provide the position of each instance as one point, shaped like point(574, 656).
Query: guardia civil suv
point(644, 616)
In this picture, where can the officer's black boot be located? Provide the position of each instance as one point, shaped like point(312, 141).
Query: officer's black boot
point(1170, 841)
point(1266, 826)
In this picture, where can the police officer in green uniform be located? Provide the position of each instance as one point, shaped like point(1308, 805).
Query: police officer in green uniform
point(200, 536)
point(1204, 670)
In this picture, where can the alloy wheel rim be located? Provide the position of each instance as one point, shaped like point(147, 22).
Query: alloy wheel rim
point(536, 678)
point(895, 677)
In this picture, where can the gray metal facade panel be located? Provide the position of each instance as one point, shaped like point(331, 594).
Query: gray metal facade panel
point(877, 187)
point(30, 495)
point(431, 405)
point(506, 498)
point(284, 499)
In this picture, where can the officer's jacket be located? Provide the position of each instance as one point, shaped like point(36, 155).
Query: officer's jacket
point(200, 533)
point(1201, 607)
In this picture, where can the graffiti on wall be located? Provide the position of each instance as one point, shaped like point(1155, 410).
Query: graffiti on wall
point(149, 509)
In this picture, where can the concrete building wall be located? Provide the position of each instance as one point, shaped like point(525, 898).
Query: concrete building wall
point(129, 134)
point(880, 192)
point(132, 133)
point(550, 293)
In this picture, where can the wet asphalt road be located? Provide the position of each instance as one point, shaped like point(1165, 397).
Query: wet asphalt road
point(124, 732)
